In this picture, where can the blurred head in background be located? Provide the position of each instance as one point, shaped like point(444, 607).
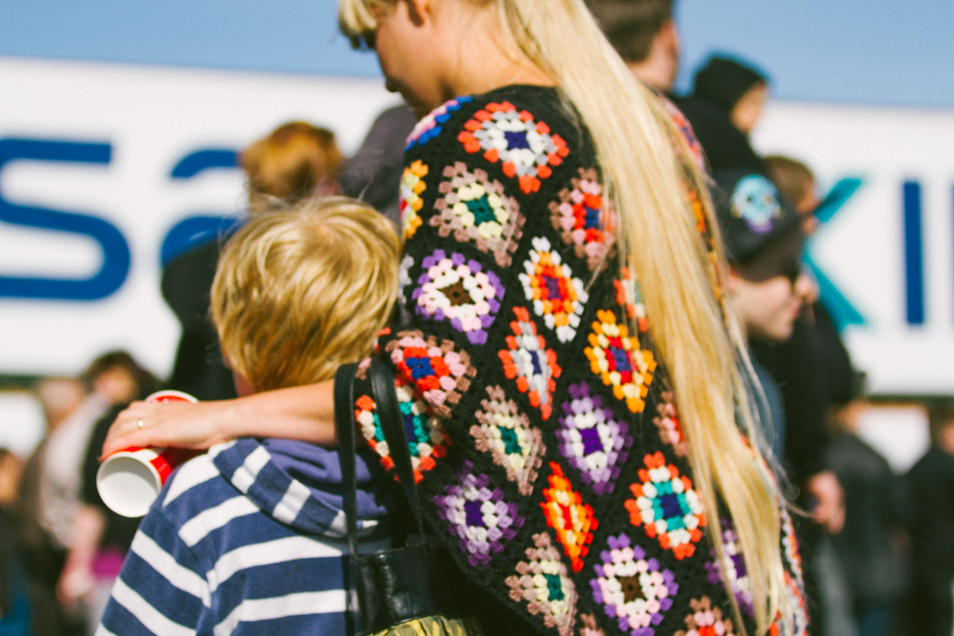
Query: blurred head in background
point(941, 425)
point(11, 468)
point(796, 182)
point(58, 397)
point(295, 161)
point(644, 34)
point(737, 88)
point(118, 378)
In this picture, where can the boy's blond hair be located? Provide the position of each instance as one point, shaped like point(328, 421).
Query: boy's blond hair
point(299, 292)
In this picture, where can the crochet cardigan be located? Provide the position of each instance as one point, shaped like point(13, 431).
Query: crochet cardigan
point(543, 432)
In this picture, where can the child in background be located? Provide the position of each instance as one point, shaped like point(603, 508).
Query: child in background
point(248, 537)
point(765, 284)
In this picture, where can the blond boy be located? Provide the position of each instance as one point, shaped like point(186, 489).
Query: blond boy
point(247, 538)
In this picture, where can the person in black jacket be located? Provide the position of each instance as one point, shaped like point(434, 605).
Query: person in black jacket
point(930, 492)
point(869, 549)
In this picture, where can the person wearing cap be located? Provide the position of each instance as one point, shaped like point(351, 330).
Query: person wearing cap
point(765, 284)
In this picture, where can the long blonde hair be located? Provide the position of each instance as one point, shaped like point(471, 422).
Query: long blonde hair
point(647, 165)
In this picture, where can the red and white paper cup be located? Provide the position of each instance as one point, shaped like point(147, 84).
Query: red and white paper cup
point(130, 480)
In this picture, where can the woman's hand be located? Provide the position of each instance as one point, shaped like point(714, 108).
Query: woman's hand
point(178, 424)
point(303, 412)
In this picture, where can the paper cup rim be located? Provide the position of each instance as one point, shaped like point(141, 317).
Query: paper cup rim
point(115, 500)
point(170, 393)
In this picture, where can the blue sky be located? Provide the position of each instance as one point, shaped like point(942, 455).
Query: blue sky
point(842, 51)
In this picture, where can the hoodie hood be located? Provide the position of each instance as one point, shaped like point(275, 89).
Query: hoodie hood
point(300, 484)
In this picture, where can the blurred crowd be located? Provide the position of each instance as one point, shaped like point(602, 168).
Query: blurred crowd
point(877, 547)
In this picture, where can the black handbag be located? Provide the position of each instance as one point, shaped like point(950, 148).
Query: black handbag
point(394, 592)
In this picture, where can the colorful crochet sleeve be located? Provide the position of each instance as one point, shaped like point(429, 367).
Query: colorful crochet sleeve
point(543, 432)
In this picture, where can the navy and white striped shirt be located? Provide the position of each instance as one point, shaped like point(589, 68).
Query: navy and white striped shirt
point(245, 539)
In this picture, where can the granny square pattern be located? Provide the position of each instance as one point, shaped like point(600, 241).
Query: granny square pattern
point(524, 147)
point(556, 295)
point(457, 289)
point(505, 433)
point(528, 361)
point(566, 513)
point(433, 123)
point(584, 218)
point(706, 620)
point(541, 583)
point(618, 360)
point(474, 208)
point(412, 186)
point(592, 440)
point(667, 507)
point(635, 590)
point(437, 371)
point(735, 568)
point(478, 515)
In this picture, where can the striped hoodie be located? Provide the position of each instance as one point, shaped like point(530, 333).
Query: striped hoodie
point(246, 539)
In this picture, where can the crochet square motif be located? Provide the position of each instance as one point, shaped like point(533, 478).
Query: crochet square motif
point(570, 518)
point(556, 295)
point(540, 582)
point(411, 201)
point(592, 440)
point(525, 148)
point(505, 433)
point(706, 620)
point(735, 568)
point(583, 218)
point(426, 438)
point(433, 123)
point(475, 209)
point(667, 507)
point(438, 372)
point(477, 514)
point(528, 361)
point(635, 590)
point(456, 289)
point(619, 361)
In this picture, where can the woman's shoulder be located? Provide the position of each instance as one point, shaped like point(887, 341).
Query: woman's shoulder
point(506, 107)
point(525, 131)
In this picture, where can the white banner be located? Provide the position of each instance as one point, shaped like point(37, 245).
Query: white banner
point(887, 249)
point(99, 164)
point(103, 167)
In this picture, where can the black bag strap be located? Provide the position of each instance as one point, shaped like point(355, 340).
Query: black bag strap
point(388, 412)
point(344, 426)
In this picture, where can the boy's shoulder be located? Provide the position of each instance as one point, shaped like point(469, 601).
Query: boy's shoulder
point(194, 487)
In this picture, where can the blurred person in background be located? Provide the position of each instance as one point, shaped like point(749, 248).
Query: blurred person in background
point(373, 172)
point(870, 547)
point(101, 538)
point(59, 397)
point(644, 34)
point(930, 495)
point(16, 603)
point(52, 516)
point(764, 284)
point(294, 161)
point(809, 367)
point(736, 88)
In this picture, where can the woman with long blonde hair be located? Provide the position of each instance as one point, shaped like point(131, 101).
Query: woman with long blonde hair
point(567, 373)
